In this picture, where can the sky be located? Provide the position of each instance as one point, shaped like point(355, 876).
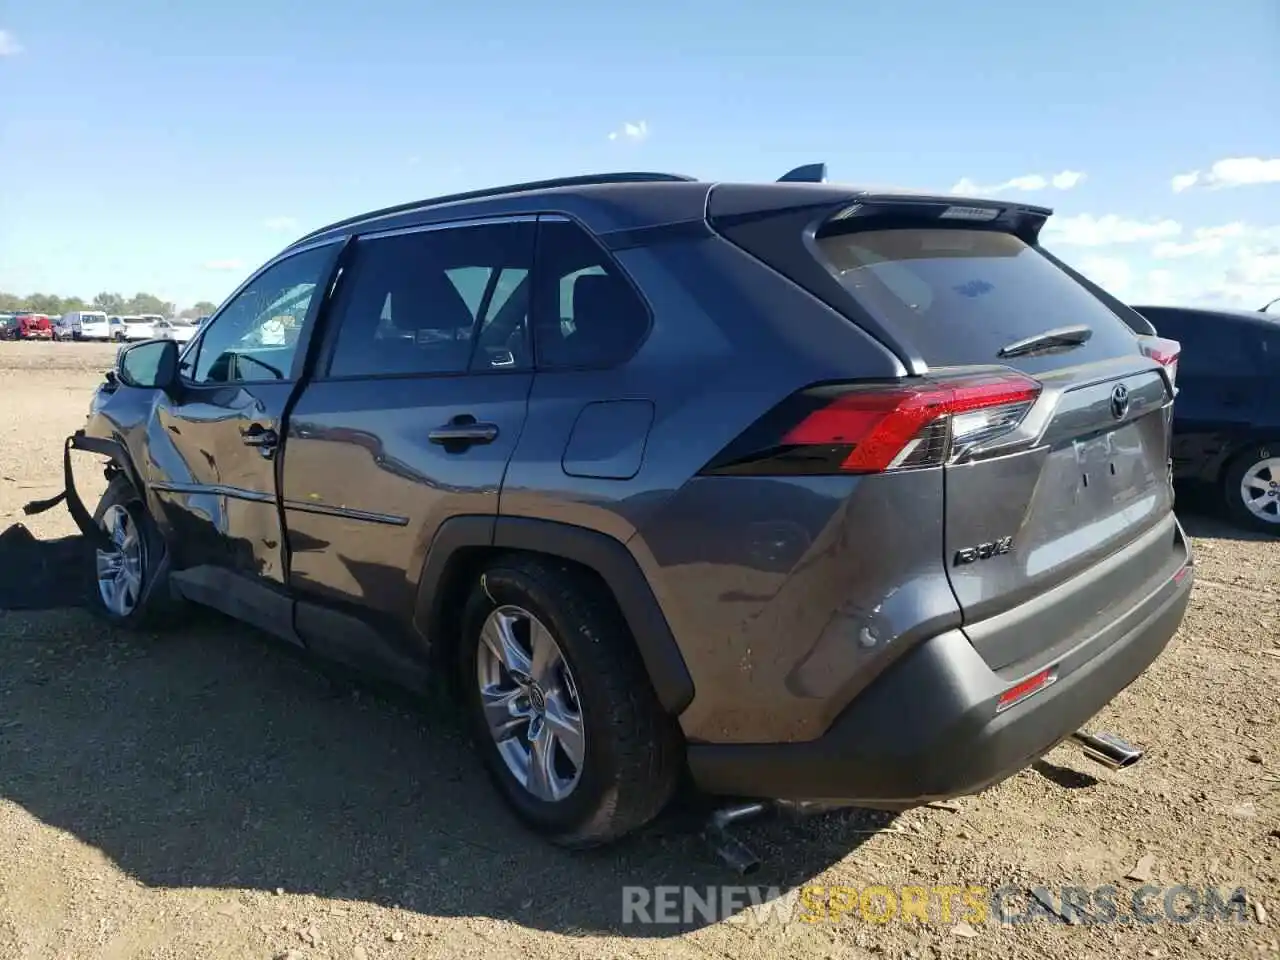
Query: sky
point(171, 148)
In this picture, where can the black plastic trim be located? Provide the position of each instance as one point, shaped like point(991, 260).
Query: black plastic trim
point(680, 230)
point(605, 555)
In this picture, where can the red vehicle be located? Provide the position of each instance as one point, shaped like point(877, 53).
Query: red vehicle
point(34, 326)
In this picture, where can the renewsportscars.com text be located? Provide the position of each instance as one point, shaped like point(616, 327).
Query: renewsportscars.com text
point(945, 904)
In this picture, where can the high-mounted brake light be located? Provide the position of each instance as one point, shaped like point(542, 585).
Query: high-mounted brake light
point(1164, 352)
point(969, 213)
point(875, 428)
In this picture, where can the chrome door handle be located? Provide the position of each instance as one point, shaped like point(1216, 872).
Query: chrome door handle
point(264, 438)
point(473, 433)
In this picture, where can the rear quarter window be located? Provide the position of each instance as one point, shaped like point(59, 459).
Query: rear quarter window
point(962, 294)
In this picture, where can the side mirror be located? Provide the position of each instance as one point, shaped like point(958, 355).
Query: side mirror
point(152, 364)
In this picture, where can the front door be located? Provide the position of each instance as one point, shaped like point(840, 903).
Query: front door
point(214, 447)
point(415, 408)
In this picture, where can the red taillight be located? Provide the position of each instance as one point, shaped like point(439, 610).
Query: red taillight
point(1164, 352)
point(1020, 691)
point(870, 429)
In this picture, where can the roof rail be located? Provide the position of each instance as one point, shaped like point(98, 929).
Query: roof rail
point(583, 180)
point(809, 173)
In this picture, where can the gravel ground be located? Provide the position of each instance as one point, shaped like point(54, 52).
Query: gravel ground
point(204, 794)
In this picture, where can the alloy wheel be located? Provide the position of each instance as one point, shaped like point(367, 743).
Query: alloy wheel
point(530, 703)
point(1260, 490)
point(120, 570)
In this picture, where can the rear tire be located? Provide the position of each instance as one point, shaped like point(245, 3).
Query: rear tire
point(1251, 488)
point(577, 686)
point(131, 584)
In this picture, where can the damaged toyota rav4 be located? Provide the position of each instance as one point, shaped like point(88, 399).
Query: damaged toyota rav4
point(809, 492)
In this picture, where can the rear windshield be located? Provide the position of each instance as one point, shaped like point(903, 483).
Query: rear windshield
point(960, 295)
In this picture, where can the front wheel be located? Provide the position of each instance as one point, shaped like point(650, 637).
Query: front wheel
point(131, 580)
point(560, 705)
point(1251, 488)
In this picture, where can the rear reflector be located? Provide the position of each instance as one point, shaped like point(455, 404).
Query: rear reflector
point(875, 428)
point(1020, 692)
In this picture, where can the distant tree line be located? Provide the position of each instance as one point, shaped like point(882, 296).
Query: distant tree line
point(111, 303)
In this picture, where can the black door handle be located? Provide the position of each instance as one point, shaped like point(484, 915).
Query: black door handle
point(462, 431)
point(264, 438)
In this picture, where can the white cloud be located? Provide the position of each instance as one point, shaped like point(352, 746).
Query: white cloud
point(1067, 179)
point(1086, 230)
point(1231, 265)
point(224, 265)
point(1214, 241)
point(632, 131)
point(280, 223)
point(1027, 183)
point(9, 45)
point(1231, 172)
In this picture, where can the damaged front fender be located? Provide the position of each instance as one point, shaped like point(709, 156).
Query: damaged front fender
point(96, 536)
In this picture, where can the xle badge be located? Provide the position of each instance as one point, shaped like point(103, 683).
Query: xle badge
point(983, 551)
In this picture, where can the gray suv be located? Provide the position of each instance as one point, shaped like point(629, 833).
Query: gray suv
point(809, 492)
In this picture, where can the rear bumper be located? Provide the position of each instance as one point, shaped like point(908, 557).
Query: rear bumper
point(928, 728)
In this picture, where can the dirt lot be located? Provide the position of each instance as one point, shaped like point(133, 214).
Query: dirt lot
point(202, 794)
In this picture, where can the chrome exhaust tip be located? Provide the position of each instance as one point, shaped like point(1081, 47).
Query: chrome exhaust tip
point(1108, 749)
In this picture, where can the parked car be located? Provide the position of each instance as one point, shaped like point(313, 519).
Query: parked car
point(83, 325)
point(34, 326)
point(813, 492)
point(137, 328)
point(178, 330)
point(1226, 424)
point(8, 326)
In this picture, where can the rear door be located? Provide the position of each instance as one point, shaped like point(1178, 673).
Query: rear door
point(1084, 476)
point(213, 448)
point(1266, 363)
point(418, 401)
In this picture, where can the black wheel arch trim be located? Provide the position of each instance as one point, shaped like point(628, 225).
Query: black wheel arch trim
point(75, 506)
point(602, 553)
point(95, 535)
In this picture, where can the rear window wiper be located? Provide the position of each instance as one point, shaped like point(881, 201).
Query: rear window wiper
point(1049, 340)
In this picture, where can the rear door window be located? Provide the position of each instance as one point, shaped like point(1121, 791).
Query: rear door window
point(418, 303)
point(962, 294)
point(586, 313)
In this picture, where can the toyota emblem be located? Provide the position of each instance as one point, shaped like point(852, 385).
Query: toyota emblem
point(1119, 401)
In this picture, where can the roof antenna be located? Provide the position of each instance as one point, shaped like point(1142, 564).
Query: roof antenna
point(809, 173)
point(1267, 306)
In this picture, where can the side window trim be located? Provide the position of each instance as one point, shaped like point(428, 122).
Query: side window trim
point(323, 360)
point(607, 257)
point(192, 350)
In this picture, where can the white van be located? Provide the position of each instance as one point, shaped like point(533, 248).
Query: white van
point(82, 325)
